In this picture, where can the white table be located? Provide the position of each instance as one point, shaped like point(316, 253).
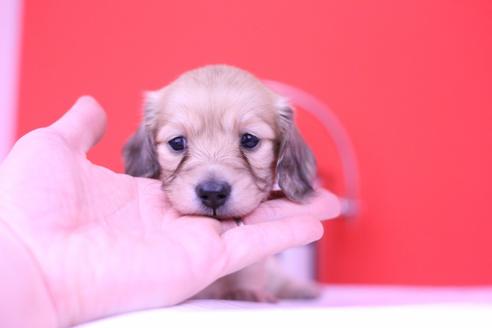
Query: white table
point(340, 306)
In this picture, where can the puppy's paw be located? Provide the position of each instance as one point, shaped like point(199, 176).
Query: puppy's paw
point(299, 291)
point(249, 295)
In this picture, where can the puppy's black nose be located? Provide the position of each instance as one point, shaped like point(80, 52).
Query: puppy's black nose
point(213, 193)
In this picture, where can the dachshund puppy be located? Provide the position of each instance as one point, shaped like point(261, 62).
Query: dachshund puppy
point(220, 140)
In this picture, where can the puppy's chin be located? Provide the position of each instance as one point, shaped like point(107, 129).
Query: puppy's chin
point(226, 212)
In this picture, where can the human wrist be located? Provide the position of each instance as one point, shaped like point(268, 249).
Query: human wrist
point(24, 298)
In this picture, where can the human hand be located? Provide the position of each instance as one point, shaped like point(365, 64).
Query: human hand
point(107, 243)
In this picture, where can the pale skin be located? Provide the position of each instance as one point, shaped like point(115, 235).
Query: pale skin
point(80, 242)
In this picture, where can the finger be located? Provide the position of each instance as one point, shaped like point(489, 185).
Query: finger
point(83, 125)
point(322, 205)
point(250, 243)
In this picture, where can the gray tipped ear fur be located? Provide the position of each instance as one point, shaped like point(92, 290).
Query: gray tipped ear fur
point(296, 165)
point(140, 154)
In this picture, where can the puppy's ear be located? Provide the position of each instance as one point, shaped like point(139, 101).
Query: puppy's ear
point(140, 153)
point(296, 165)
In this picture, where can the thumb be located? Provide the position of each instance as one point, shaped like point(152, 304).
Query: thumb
point(83, 125)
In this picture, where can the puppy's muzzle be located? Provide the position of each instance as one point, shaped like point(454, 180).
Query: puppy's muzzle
point(212, 193)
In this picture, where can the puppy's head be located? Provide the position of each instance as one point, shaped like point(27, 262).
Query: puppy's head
point(218, 139)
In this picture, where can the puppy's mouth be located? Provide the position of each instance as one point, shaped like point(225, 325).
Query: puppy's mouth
point(214, 214)
point(224, 213)
point(220, 214)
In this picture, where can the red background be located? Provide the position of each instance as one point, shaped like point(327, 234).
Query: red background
point(410, 80)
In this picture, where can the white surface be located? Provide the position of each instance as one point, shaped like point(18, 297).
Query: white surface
point(10, 30)
point(340, 306)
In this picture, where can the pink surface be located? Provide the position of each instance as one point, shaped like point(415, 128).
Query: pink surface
point(389, 296)
point(10, 38)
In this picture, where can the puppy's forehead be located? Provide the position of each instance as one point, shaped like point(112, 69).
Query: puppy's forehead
point(217, 101)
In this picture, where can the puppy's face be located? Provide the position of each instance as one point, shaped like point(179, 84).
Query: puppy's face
point(218, 139)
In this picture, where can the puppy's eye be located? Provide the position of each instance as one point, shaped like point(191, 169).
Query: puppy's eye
point(249, 141)
point(178, 143)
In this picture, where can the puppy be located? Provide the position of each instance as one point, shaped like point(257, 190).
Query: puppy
point(220, 140)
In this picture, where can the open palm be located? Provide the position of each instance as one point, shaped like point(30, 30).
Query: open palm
point(108, 243)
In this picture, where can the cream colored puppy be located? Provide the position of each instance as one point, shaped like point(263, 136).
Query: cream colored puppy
point(219, 140)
